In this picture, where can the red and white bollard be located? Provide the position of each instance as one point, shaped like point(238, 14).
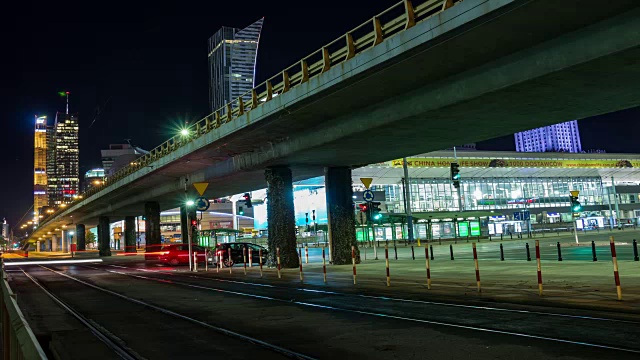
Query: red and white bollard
point(324, 266)
point(539, 268)
point(195, 262)
point(306, 254)
point(615, 268)
point(386, 259)
point(426, 255)
point(301, 273)
point(353, 261)
point(250, 258)
point(244, 259)
point(230, 261)
point(475, 260)
point(218, 261)
point(278, 259)
point(260, 260)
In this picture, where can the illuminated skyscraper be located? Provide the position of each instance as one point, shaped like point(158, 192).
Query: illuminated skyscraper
point(563, 137)
point(40, 165)
point(232, 63)
point(63, 168)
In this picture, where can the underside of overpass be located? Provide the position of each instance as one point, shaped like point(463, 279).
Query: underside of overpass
point(479, 70)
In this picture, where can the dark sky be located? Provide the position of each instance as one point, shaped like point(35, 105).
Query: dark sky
point(140, 70)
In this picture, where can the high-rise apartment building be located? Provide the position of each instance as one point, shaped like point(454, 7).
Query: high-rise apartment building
point(232, 63)
point(63, 161)
point(563, 137)
point(40, 198)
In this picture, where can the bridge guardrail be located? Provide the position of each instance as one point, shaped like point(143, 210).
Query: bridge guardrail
point(394, 20)
point(18, 340)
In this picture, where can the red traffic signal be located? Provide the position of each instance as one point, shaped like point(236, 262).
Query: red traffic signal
point(247, 200)
point(194, 222)
point(363, 207)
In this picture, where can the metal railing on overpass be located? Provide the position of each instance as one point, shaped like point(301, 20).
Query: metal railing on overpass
point(383, 26)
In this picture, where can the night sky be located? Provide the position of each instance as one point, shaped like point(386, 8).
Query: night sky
point(137, 72)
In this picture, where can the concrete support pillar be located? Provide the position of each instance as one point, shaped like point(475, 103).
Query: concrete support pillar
point(130, 234)
point(184, 224)
point(104, 239)
point(54, 242)
point(81, 244)
point(342, 227)
point(152, 226)
point(281, 216)
point(38, 246)
point(63, 241)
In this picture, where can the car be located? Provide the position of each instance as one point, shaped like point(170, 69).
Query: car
point(176, 254)
point(222, 251)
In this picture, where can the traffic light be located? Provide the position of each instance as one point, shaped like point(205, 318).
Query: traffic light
point(194, 226)
point(247, 200)
point(240, 210)
point(375, 210)
point(575, 204)
point(363, 207)
point(455, 174)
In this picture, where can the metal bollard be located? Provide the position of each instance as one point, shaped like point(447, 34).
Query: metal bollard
point(559, 252)
point(260, 261)
point(635, 250)
point(301, 273)
point(244, 259)
point(501, 253)
point(539, 267)
point(306, 254)
point(593, 250)
point(324, 266)
point(386, 256)
point(616, 274)
point(250, 258)
point(431, 249)
point(395, 250)
point(451, 251)
point(426, 255)
point(528, 252)
point(195, 262)
point(353, 262)
point(278, 259)
point(230, 260)
point(413, 256)
point(475, 260)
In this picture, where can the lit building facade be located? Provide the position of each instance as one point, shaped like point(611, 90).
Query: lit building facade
point(63, 160)
point(563, 137)
point(118, 156)
point(232, 63)
point(40, 199)
point(93, 177)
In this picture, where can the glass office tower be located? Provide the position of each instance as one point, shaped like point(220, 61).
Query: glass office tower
point(232, 63)
point(40, 165)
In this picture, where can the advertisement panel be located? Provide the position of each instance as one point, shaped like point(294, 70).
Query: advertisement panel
point(526, 163)
point(463, 228)
point(475, 228)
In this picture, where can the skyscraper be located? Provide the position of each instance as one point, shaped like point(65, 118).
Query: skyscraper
point(63, 168)
point(232, 63)
point(40, 199)
point(563, 137)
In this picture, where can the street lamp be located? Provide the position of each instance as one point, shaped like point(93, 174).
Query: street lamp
point(184, 132)
point(190, 203)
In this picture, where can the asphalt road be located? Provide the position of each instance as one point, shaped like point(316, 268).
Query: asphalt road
point(159, 313)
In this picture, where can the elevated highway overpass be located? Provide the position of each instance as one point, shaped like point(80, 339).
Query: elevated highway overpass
point(419, 77)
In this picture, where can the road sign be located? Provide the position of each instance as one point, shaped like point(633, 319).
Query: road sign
point(202, 204)
point(366, 182)
point(575, 193)
point(200, 187)
point(362, 218)
point(367, 195)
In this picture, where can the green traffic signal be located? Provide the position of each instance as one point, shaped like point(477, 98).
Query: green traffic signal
point(576, 207)
point(240, 211)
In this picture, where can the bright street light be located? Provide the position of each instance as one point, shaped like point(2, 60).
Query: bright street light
point(190, 203)
point(184, 132)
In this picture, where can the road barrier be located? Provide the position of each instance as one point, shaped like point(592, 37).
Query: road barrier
point(528, 252)
point(539, 267)
point(278, 259)
point(501, 253)
point(353, 261)
point(559, 251)
point(593, 250)
point(426, 256)
point(616, 275)
point(386, 257)
point(475, 260)
point(18, 340)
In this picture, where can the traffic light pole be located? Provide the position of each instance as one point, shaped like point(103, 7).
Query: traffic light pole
point(575, 228)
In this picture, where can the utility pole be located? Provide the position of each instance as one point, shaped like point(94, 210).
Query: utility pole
point(615, 198)
point(407, 197)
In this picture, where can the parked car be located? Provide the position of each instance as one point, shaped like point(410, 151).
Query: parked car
point(176, 254)
point(222, 251)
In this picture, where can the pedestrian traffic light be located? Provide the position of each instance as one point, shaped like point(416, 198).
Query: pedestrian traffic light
point(575, 204)
point(247, 200)
point(375, 210)
point(240, 210)
point(455, 174)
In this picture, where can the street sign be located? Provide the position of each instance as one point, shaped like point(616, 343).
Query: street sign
point(368, 195)
point(366, 182)
point(202, 204)
point(362, 218)
point(575, 193)
point(200, 187)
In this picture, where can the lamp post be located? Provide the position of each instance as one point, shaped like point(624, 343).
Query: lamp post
point(191, 265)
